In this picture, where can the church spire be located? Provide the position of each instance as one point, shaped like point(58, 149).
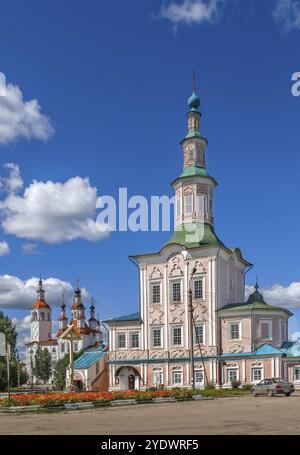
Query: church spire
point(40, 291)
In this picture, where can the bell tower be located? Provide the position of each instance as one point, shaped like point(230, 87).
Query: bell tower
point(194, 187)
point(41, 324)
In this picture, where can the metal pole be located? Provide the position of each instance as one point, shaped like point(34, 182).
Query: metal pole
point(8, 369)
point(31, 372)
point(192, 338)
point(71, 364)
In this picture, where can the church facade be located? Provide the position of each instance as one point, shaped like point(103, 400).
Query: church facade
point(233, 340)
point(88, 333)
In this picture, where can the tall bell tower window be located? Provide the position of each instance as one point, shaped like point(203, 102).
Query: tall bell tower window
point(188, 204)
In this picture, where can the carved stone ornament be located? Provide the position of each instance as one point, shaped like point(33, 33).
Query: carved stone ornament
point(158, 354)
point(177, 313)
point(256, 364)
point(236, 348)
point(130, 355)
point(156, 273)
point(199, 267)
point(200, 312)
point(176, 266)
point(156, 314)
point(187, 191)
point(202, 189)
point(179, 352)
point(231, 365)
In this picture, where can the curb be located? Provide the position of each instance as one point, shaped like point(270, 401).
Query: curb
point(113, 403)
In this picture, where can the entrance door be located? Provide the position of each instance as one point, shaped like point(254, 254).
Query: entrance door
point(131, 380)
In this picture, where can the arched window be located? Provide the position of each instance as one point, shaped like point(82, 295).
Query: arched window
point(34, 316)
point(42, 316)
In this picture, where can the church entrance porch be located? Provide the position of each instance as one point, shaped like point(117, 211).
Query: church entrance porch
point(128, 378)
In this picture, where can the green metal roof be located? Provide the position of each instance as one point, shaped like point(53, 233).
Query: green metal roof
point(128, 317)
point(89, 357)
point(203, 234)
point(192, 171)
point(255, 302)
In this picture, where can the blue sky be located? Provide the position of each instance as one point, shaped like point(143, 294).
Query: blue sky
point(113, 79)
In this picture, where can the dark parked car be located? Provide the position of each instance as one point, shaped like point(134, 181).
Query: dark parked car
point(273, 386)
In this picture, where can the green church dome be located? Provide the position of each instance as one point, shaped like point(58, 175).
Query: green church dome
point(194, 101)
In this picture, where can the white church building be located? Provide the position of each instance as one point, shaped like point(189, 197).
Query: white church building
point(88, 331)
point(234, 340)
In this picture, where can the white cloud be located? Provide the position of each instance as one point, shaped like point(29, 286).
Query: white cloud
point(13, 182)
point(191, 11)
point(287, 13)
point(23, 331)
point(286, 297)
point(53, 212)
point(21, 119)
point(295, 336)
point(18, 294)
point(30, 248)
point(4, 248)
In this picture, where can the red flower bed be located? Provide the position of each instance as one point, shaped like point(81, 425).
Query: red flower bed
point(58, 399)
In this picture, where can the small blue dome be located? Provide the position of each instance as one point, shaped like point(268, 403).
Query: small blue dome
point(194, 101)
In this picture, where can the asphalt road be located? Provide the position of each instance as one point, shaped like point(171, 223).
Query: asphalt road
point(244, 416)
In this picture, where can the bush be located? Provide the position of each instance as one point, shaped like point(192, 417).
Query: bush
point(247, 387)
point(235, 384)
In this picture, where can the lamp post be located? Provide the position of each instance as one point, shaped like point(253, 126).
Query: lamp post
point(31, 370)
point(191, 310)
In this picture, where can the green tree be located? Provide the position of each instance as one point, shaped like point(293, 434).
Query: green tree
point(60, 371)
point(42, 364)
point(8, 328)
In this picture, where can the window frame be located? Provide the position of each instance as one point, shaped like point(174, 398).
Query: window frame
point(172, 283)
point(131, 334)
point(173, 328)
point(269, 322)
point(229, 369)
point(296, 367)
point(190, 198)
point(199, 324)
point(157, 284)
point(253, 369)
point(161, 374)
point(118, 334)
point(196, 280)
point(153, 329)
point(229, 333)
point(177, 372)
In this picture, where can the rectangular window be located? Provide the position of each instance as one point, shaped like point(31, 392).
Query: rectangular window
point(135, 340)
point(156, 338)
point(234, 331)
point(157, 378)
point(256, 374)
point(199, 377)
point(75, 346)
point(177, 378)
point(297, 373)
point(188, 204)
point(97, 368)
point(155, 287)
point(198, 289)
point(265, 330)
point(176, 291)
point(121, 340)
point(62, 347)
point(199, 334)
point(232, 375)
point(178, 206)
point(177, 336)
